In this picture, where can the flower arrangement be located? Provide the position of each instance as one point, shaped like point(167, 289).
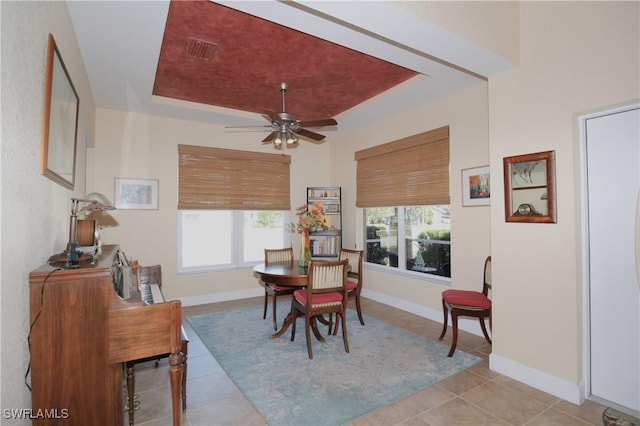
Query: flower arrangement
point(310, 217)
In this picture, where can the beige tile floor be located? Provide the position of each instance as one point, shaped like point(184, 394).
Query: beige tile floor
point(476, 396)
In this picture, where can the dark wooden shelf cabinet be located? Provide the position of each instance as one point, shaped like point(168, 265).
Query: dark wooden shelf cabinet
point(81, 334)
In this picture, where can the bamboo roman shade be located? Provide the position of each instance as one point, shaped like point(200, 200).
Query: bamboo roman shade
point(413, 171)
point(227, 179)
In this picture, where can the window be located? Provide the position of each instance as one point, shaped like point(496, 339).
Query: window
point(220, 239)
point(232, 204)
point(426, 246)
point(404, 188)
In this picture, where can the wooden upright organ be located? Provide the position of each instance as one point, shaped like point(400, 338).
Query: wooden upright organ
point(81, 334)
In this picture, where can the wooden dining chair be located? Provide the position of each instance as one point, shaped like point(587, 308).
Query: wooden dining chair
point(326, 293)
point(354, 280)
point(354, 276)
point(470, 304)
point(146, 275)
point(271, 256)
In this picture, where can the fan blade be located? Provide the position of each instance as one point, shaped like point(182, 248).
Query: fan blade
point(266, 126)
point(247, 130)
point(309, 134)
point(270, 137)
point(273, 116)
point(318, 123)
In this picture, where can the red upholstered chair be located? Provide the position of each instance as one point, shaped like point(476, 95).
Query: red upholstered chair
point(469, 304)
point(325, 294)
point(284, 255)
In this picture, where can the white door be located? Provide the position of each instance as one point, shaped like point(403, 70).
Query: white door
point(613, 173)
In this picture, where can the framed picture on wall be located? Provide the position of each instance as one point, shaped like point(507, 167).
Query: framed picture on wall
point(60, 121)
point(136, 194)
point(530, 188)
point(476, 187)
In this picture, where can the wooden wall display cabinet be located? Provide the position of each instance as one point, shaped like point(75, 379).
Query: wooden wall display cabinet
point(327, 242)
point(81, 334)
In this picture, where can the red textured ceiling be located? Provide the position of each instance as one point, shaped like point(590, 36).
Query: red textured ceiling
point(254, 55)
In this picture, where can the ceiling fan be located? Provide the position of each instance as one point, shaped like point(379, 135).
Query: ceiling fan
point(285, 127)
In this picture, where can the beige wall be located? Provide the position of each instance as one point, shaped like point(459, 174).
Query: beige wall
point(466, 113)
point(131, 145)
point(574, 56)
point(35, 210)
point(140, 146)
point(490, 24)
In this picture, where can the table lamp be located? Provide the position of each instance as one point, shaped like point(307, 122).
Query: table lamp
point(72, 257)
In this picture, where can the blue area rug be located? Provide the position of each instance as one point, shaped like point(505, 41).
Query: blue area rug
point(385, 364)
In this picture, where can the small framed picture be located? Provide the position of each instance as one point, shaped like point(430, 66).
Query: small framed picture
point(332, 208)
point(530, 187)
point(476, 186)
point(136, 194)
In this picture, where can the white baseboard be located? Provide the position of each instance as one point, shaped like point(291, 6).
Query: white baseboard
point(555, 386)
point(221, 297)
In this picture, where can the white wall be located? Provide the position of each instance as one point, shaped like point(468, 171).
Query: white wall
point(574, 56)
point(35, 210)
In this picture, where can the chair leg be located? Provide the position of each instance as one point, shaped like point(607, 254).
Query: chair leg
point(446, 319)
point(484, 330)
point(131, 384)
point(344, 331)
point(307, 329)
point(359, 309)
point(454, 324)
point(275, 320)
point(294, 316)
point(266, 301)
point(184, 375)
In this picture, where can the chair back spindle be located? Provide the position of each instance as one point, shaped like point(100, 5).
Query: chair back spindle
point(284, 255)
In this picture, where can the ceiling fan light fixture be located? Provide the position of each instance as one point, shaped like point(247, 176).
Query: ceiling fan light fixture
point(278, 140)
point(291, 138)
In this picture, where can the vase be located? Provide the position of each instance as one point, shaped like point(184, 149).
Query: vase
point(305, 249)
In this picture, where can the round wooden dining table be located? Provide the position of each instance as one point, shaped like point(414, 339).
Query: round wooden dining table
point(286, 275)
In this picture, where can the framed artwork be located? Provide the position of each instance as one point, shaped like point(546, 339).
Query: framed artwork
point(60, 121)
point(530, 188)
point(136, 194)
point(476, 187)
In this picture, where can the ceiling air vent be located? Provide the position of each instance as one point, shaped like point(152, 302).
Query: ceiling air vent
point(200, 49)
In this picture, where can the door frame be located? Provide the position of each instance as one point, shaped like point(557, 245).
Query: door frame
point(580, 120)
